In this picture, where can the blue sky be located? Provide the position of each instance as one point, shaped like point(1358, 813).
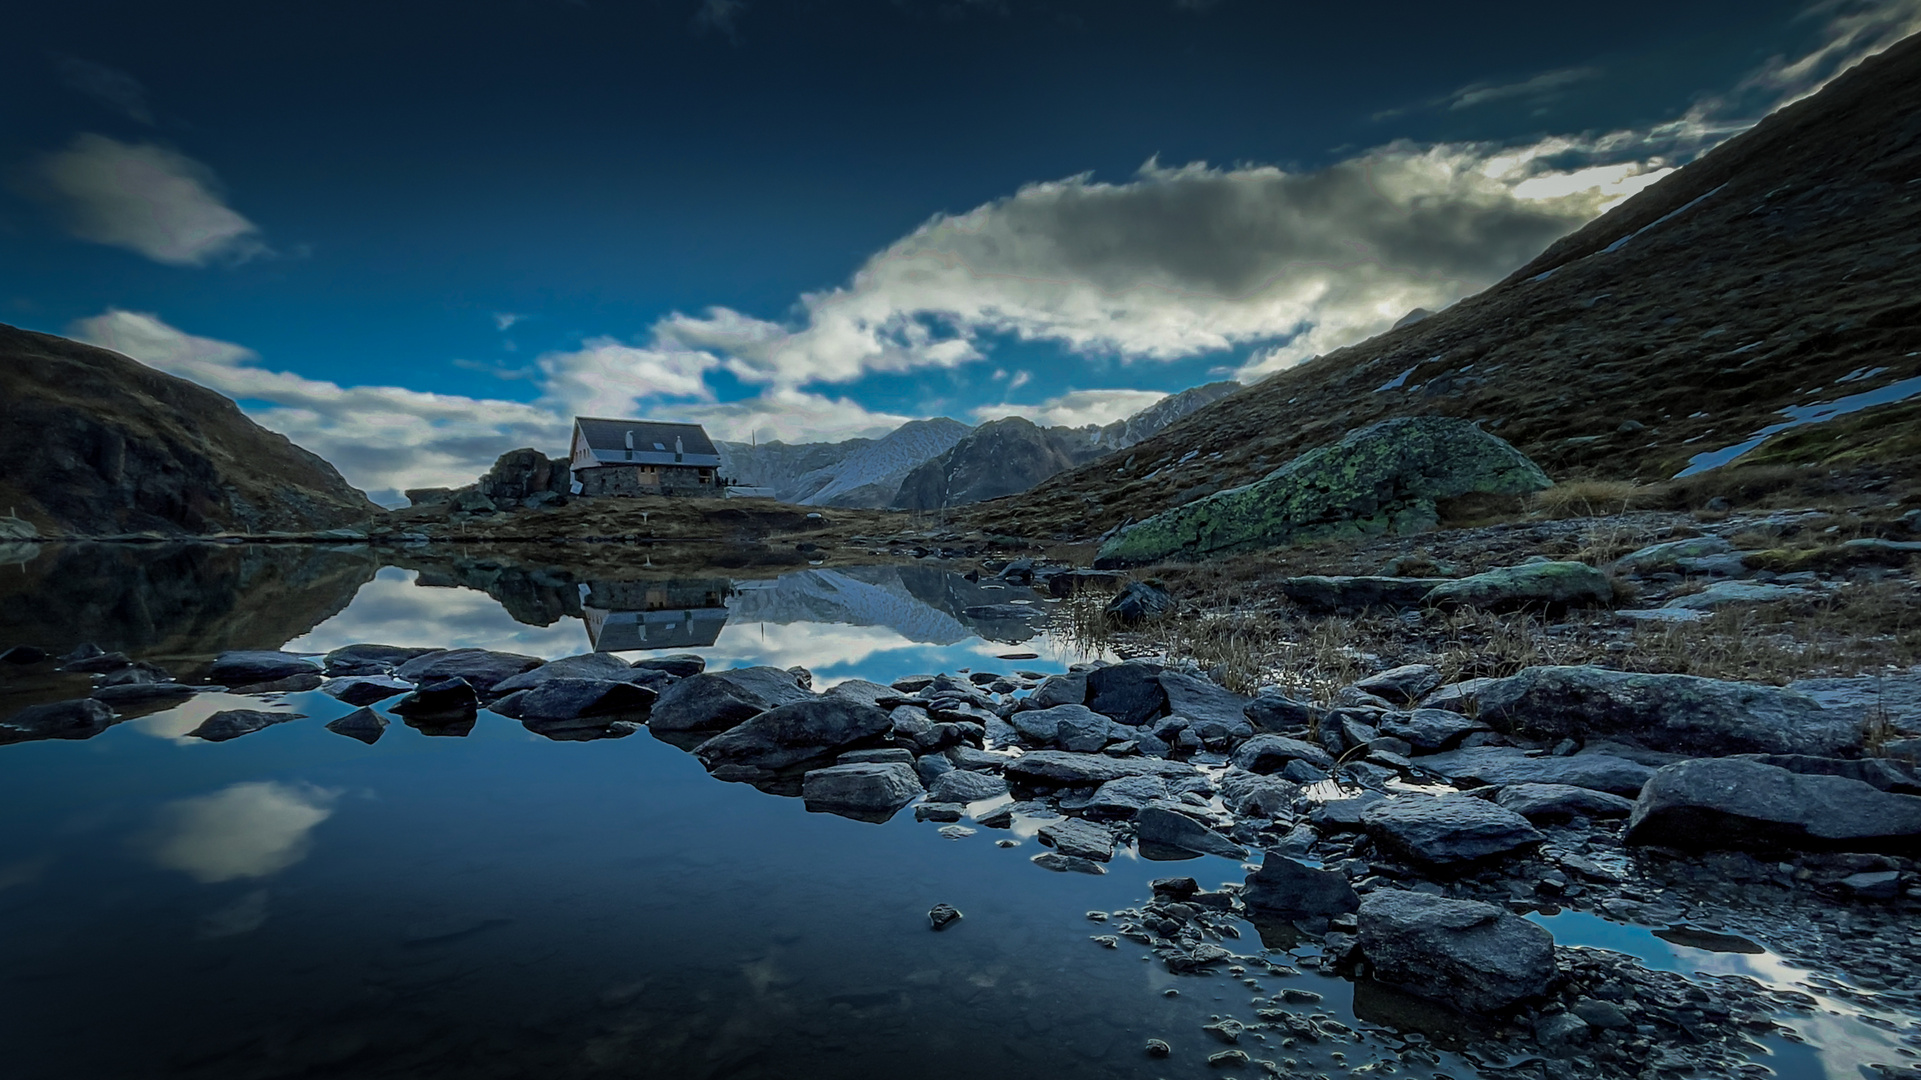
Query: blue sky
point(413, 236)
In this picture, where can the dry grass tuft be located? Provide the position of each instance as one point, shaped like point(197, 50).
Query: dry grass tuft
point(1589, 498)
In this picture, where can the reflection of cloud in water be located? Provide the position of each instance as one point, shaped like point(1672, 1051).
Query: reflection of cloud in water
point(243, 916)
point(879, 653)
point(1846, 1047)
point(174, 723)
point(247, 830)
point(392, 610)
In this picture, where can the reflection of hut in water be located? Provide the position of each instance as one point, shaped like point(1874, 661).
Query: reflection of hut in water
point(680, 613)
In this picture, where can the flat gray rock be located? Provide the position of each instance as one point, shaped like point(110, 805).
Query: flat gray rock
point(1271, 753)
point(600, 666)
point(1542, 584)
point(1732, 593)
point(1430, 730)
point(1678, 713)
point(1060, 768)
point(483, 669)
point(1080, 839)
point(1561, 802)
point(1470, 956)
point(966, 786)
point(1732, 803)
point(1448, 831)
point(716, 701)
point(1402, 685)
point(1503, 765)
point(863, 788)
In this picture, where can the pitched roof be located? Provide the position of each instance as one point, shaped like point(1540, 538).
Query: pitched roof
point(653, 441)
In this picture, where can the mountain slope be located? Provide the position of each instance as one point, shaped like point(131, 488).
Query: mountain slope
point(98, 443)
point(871, 474)
point(1012, 455)
point(1782, 270)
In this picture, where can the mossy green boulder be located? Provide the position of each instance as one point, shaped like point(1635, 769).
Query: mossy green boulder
point(1536, 584)
point(1381, 479)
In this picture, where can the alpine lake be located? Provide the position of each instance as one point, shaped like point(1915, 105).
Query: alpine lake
point(492, 900)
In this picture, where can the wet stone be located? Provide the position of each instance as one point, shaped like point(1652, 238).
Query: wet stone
point(1081, 839)
point(363, 724)
point(941, 916)
point(1054, 860)
point(233, 723)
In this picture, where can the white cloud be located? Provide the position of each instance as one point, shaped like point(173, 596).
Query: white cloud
point(1076, 408)
point(1540, 86)
point(505, 320)
point(145, 198)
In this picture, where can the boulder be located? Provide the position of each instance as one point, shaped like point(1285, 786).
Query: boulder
point(1385, 478)
point(1561, 802)
point(1057, 690)
point(1429, 730)
point(1159, 827)
point(1503, 765)
point(1684, 714)
point(1895, 698)
point(1129, 693)
point(1672, 557)
point(363, 724)
point(80, 718)
point(789, 734)
point(1275, 711)
point(1324, 594)
point(601, 666)
point(1201, 699)
point(1079, 839)
point(141, 695)
point(365, 689)
point(1883, 773)
point(1284, 888)
point(1059, 768)
point(1740, 804)
point(1123, 798)
point(680, 665)
point(1271, 753)
point(866, 693)
point(258, 665)
point(861, 788)
point(966, 786)
point(1402, 685)
point(572, 699)
point(720, 700)
point(368, 659)
point(233, 723)
point(1253, 795)
point(443, 701)
point(1138, 602)
point(481, 669)
point(1447, 832)
point(1553, 585)
point(883, 754)
point(1733, 594)
point(1470, 956)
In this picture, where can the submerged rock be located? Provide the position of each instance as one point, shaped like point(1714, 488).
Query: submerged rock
point(1733, 803)
point(862, 788)
point(1542, 584)
point(1448, 831)
point(1385, 478)
point(1468, 955)
point(1684, 714)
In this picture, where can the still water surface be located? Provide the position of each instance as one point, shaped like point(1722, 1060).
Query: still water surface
point(295, 903)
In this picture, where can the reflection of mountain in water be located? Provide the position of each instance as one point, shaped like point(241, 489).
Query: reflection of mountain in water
point(177, 599)
point(920, 603)
point(675, 613)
